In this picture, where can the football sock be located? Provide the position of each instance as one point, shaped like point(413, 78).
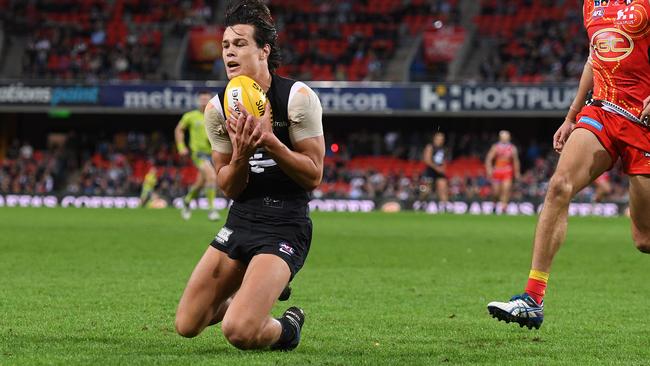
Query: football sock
point(287, 335)
point(536, 286)
point(191, 195)
point(210, 193)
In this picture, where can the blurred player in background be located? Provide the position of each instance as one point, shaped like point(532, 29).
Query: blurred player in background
point(267, 166)
point(502, 165)
point(201, 156)
point(435, 156)
point(148, 185)
point(603, 187)
point(592, 138)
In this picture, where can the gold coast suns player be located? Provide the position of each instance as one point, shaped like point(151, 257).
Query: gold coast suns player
point(503, 167)
point(612, 126)
point(267, 165)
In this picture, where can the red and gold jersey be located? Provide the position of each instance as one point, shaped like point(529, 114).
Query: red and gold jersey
point(619, 34)
point(503, 157)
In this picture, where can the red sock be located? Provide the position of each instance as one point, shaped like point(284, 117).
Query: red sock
point(536, 286)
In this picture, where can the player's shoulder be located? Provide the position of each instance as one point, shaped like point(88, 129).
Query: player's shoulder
point(292, 85)
point(215, 103)
point(300, 87)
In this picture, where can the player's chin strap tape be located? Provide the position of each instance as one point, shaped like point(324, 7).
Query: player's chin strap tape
point(607, 105)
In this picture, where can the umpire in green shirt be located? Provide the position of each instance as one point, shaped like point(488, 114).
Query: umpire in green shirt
point(201, 156)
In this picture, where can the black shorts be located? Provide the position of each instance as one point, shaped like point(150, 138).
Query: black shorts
point(247, 234)
point(434, 175)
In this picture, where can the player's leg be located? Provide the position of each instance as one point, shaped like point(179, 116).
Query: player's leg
point(194, 191)
point(640, 211)
point(247, 323)
point(442, 189)
point(496, 189)
point(145, 195)
point(504, 196)
point(214, 279)
point(583, 159)
point(603, 188)
point(210, 187)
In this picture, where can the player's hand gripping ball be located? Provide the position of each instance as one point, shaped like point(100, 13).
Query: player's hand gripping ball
point(246, 91)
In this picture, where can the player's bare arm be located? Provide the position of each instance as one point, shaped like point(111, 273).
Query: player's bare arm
point(586, 84)
point(515, 162)
point(232, 169)
point(488, 160)
point(304, 164)
point(179, 136)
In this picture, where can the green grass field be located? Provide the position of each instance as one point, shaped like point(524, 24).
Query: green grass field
point(99, 286)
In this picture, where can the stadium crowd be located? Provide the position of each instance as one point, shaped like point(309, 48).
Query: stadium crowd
point(531, 41)
point(93, 40)
point(27, 171)
point(355, 40)
point(383, 166)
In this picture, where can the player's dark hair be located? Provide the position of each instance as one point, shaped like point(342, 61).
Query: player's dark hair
point(258, 15)
point(205, 91)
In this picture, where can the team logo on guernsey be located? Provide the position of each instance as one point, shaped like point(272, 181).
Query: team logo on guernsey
point(629, 15)
point(223, 235)
point(611, 44)
point(286, 248)
point(598, 13)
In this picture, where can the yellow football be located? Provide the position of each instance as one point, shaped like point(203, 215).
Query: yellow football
point(246, 91)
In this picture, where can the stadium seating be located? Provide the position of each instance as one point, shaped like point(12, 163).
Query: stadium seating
point(114, 169)
point(356, 39)
point(29, 171)
point(122, 39)
point(549, 34)
point(92, 39)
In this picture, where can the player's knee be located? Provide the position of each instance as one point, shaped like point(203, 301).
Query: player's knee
point(239, 333)
point(185, 327)
point(641, 241)
point(560, 187)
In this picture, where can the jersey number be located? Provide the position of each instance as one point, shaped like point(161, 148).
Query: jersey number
point(258, 164)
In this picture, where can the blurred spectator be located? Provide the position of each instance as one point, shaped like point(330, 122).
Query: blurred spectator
point(530, 41)
point(26, 171)
point(363, 168)
point(97, 40)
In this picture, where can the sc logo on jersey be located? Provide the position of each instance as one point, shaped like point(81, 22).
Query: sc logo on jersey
point(611, 44)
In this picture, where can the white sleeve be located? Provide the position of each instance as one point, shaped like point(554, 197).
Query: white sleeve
point(215, 127)
point(305, 113)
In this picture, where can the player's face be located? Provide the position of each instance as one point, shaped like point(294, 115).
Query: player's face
point(240, 53)
point(504, 136)
point(438, 139)
point(204, 99)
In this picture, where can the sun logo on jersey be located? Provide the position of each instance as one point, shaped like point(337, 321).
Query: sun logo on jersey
point(611, 44)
